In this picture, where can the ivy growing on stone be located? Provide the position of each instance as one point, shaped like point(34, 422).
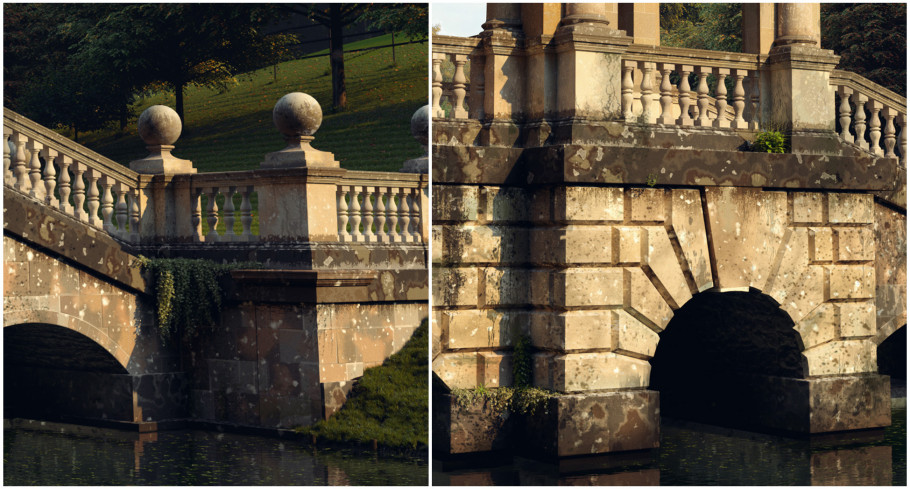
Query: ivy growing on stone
point(188, 293)
point(770, 142)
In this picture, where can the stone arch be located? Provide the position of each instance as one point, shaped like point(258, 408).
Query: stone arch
point(22, 318)
point(812, 253)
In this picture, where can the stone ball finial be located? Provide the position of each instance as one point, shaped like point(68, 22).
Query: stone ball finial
point(297, 114)
point(159, 125)
point(420, 125)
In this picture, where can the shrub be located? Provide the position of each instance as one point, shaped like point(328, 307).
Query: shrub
point(770, 142)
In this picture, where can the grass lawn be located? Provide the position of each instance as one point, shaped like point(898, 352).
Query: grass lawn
point(389, 403)
point(233, 130)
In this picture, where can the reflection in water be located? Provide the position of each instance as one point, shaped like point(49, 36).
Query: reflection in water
point(76, 455)
point(696, 454)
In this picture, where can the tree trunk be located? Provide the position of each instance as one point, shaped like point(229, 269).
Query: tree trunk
point(178, 94)
point(336, 58)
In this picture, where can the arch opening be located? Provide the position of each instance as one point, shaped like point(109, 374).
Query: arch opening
point(52, 372)
point(726, 356)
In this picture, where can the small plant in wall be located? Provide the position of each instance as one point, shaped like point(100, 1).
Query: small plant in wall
point(521, 398)
point(770, 142)
point(188, 293)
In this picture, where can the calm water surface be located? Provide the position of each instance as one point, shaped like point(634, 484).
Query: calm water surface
point(696, 454)
point(75, 455)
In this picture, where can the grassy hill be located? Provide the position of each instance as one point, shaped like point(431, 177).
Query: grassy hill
point(233, 130)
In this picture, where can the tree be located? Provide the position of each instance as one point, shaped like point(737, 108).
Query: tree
point(712, 26)
point(176, 45)
point(407, 18)
point(871, 40)
point(335, 16)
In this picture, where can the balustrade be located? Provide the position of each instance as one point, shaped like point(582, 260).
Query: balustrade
point(376, 214)
point(693, 87)
point(869, 115)
point(456, 93)
point(67, 177)
point(221, 210)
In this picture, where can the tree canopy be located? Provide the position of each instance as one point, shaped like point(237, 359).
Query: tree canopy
point(83, 64)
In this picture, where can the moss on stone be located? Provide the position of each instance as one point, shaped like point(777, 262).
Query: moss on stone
point(388, 404)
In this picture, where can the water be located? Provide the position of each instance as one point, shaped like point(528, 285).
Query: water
point(697, 454)
point(76, 455)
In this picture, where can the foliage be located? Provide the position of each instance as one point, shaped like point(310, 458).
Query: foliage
point(233, 130)
point(521, 398)
point(146, 45)
point(388, 404)
point(652, 179)
point(188, 294)
point(712, 26)
point(409, 19)
point(770, 142)
point(871, 40)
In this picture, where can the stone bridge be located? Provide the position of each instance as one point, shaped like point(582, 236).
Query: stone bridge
point(594, 192)
point(343, 283)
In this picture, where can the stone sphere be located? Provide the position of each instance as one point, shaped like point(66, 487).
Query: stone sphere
point(420, 125)
point(159, 124)
point(297, 114)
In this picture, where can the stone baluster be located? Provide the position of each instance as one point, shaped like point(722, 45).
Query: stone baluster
point(134, 214)
point(875, 126)
point(414, 196)
point(684, 99)
point(50, 176)
point(647, 91)
point(7, 160)
point(437, 86)
point(107, 204)
point(196, 213)
point(703, 97)
point(94, 200)
point(343, 218)
point(859, 120)
point(843, 111)
point(246, 213)
point(720, 96)
point(121, 210)
point(755, 99)
point(393, 215)
point(63, 184)
point(36, 188)
point(627, 88)
point(739, 100)
point(79, 191)
point(229, 217)
point(20, 162)
point(368, 216)
point(356, 217)
point(902, 137)
point(458, 87)
point(666, 94)
point(381, 215)
point(405, 216)
point(889, 114)
point(212, 215)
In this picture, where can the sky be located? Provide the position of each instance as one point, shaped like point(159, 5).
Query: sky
point(458, 19)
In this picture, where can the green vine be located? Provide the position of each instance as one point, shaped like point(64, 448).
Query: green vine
point(770, 142)
point(521, 398)
point(188, 293)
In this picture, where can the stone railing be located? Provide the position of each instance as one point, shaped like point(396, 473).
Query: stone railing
point(292, 205)
point(870, 116)
point(69, 177)
point(464, 97)
point(688, 87)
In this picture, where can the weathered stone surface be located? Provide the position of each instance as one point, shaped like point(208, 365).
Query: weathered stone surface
point(841, 357)
point(588, 204)
point(581, 372)
point(688, 224)
point(592, 423)
point(475, 428)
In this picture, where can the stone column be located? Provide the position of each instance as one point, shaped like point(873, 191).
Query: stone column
point(589, 53)
point(503, 16)
point(802, 98)
point(641, 21)
point(798, 23)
